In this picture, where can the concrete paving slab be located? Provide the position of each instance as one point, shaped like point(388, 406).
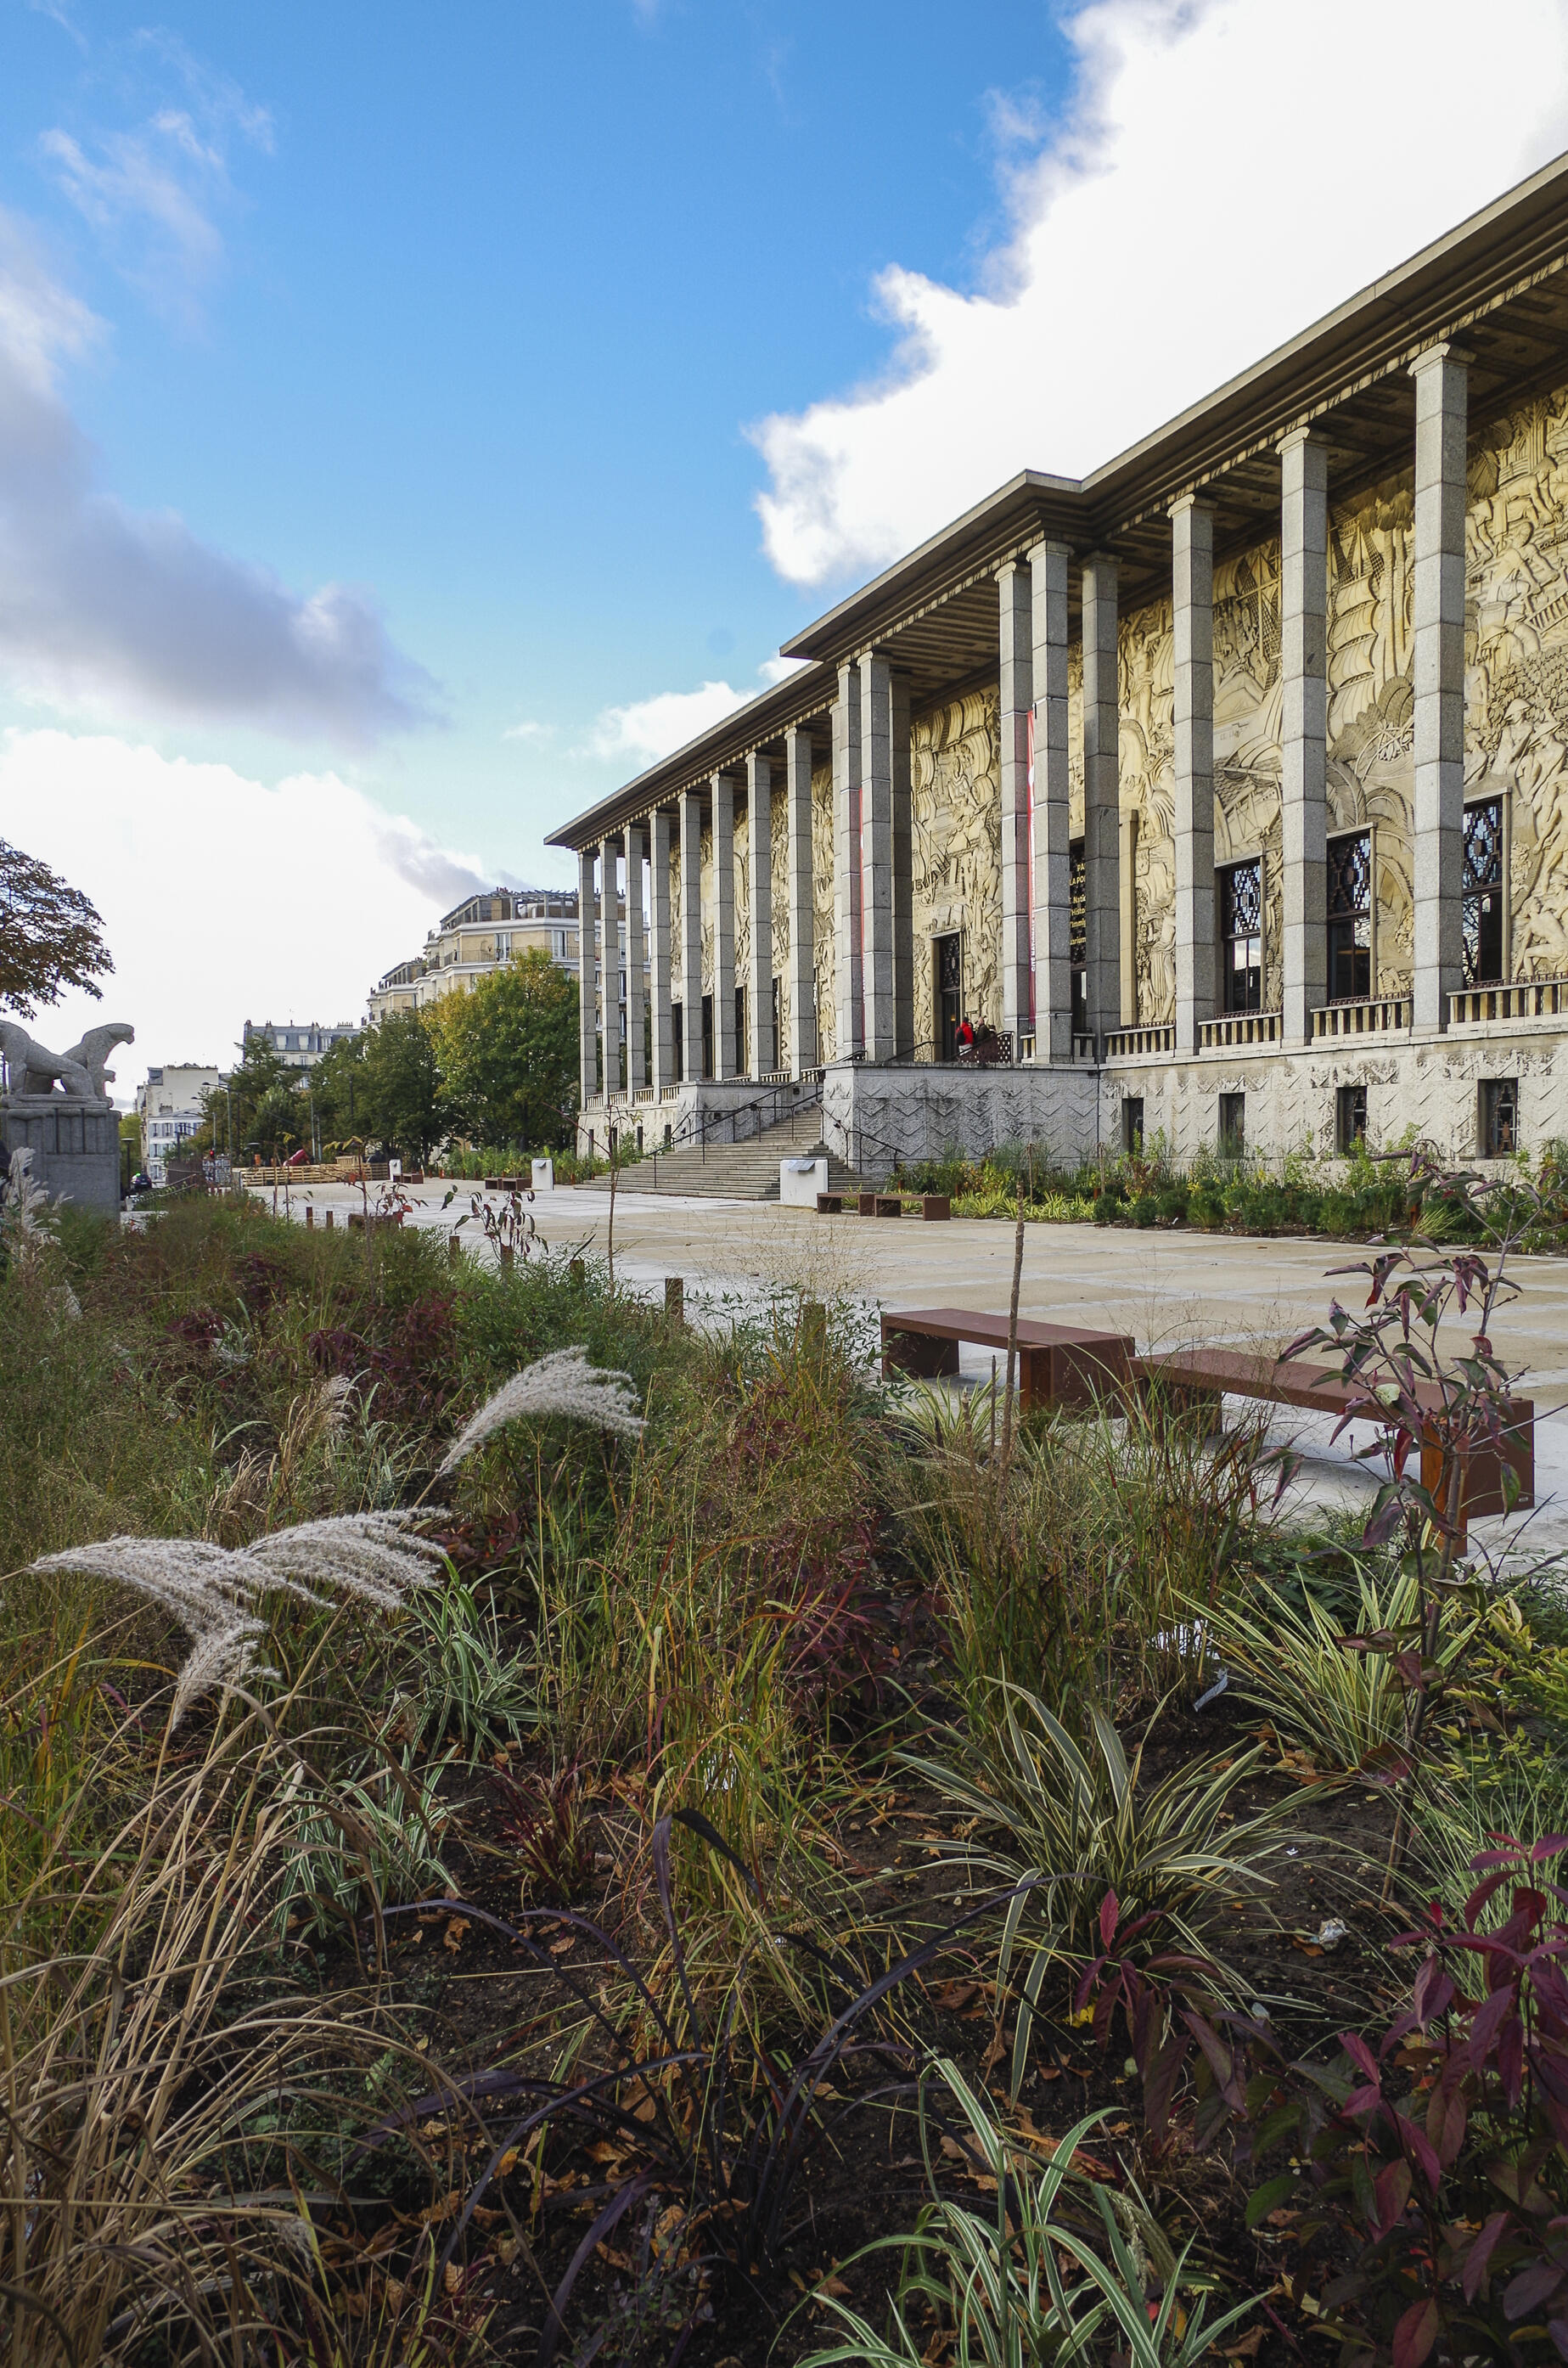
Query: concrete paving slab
point(1169, 1289)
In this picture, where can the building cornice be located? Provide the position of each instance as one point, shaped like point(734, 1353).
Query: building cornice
point(1496, 279)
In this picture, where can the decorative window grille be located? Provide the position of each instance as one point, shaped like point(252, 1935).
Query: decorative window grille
point(1499, 1117)
point(1077, 935)
point(1482, 881)
point(1350, 1118)
point(1241, 935)
point(1350, 918)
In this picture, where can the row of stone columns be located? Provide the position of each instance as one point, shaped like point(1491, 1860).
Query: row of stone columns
point(678, 925)
point(1441, 425)
point(1037, 992)
point(873, 912)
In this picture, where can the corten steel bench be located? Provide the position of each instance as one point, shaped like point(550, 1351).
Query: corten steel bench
point(931, 1205)
point(1202, 1376)
point(1062, 1364)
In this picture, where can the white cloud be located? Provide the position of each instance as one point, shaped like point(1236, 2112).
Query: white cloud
point(649, 728)
point(1230, 170)
point(152, 194)
point(128, 611)
point(527, 730)
point(135, 186)
point(223, 898)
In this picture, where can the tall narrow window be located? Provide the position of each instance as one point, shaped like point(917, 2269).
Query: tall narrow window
point(947, 957)
point(1350, 918)
point(1132, 1124)
point(1077, 935)
point(1499, 1117)
point(1483, 892)
point(1232, 1126)
point(1350, 1118)
point(1241, 935)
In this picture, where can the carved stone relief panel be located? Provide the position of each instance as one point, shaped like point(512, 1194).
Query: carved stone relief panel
point(743, 917)
point(778, 830)
point(1076, 741)
point(705, 877)
point(1517, 663)
point(821, 896)
point(676, 941)
point(955, 811)
point(1147, 674)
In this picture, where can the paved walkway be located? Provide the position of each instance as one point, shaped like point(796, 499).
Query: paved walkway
point(1168, 1289)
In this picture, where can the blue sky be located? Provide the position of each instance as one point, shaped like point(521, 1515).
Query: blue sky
point(413, 419)
point(492, 292)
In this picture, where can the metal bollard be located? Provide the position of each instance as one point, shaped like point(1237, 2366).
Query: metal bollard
point(454, 1248)
point(675, 1299)
point(814, 1328)
point(577, 1274)
point(310, 1217)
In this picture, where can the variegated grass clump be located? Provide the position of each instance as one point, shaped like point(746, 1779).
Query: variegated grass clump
point(216, 1592)
point(562, 1383)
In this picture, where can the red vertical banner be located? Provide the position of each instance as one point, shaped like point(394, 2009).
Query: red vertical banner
point(1028, 867)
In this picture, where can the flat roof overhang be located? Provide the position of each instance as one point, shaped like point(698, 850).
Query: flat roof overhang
point(1497, 283)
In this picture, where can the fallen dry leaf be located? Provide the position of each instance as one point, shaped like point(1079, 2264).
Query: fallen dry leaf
point(456, 1932)
point(955, 1995)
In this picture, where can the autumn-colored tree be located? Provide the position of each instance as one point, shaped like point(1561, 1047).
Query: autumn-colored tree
point(50, 937)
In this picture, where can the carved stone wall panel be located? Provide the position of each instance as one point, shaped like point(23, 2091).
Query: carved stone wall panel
point(955, 811)
point(705, 875)
point(677, 940)
point(779, 824)
point(1076, 741)
point(1147, 669)
point(743, 917)
point(823, 955)
point(1517, 663)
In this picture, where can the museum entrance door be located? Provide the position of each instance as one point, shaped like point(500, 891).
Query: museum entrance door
point(947, 959)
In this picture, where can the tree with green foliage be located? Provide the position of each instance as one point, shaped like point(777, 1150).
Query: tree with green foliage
point(337, 1081)
point(50, 937)
point(508, 1054)
point(402, 1082)
point(268, 1107)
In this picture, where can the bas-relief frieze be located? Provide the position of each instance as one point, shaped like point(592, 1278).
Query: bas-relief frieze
point(1516, 705)
point(1369, 773)
point(1516, 662)
point(778, 830)
point(956, 810)
point(822, 899)
point(742, 915)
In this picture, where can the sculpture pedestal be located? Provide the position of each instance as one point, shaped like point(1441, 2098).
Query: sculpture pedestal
point(76, 1146)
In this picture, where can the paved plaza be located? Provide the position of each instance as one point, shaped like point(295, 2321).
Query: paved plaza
point(1169, 1289)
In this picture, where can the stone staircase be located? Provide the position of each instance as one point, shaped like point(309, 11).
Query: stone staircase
point(732, 1171)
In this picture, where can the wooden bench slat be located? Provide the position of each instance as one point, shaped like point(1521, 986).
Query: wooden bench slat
point(1219, 1372)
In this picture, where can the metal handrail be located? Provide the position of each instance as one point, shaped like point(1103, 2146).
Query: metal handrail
point(699, 1126)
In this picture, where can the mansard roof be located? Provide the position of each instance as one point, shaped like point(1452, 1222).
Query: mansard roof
point(1497, 283)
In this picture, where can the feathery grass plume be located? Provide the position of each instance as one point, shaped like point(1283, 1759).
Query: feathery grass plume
point(29, 1223)
point(562, 1383)
point(215, 1592)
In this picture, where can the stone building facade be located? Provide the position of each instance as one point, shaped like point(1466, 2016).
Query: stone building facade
point(479, 935)
point(1228, 787)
